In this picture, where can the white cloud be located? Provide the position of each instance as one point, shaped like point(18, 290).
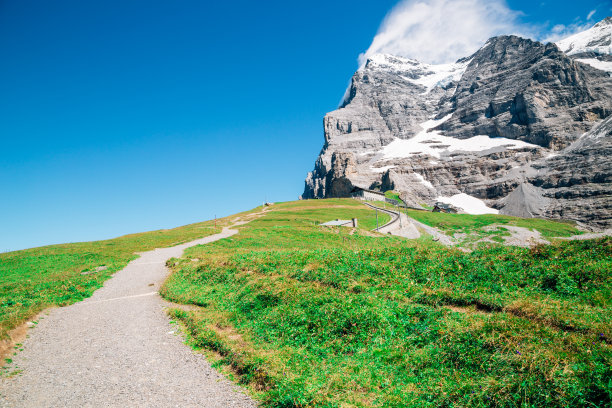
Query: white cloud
point(442, 31)
point(591, 14)
point(561, 31)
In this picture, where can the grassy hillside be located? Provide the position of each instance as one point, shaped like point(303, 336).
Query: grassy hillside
point(313, 316)
point(473, 224)
point(393, 196)
point(57, 275)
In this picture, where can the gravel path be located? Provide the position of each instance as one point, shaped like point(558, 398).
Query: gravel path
point(401, 226)
point(435, 233)
point(589, 235)
point(118, 349)
point(519, 236)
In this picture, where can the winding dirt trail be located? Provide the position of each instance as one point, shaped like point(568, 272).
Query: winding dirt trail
point(118, 349)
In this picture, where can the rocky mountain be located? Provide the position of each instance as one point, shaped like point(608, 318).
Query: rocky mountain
point(593, 46)
point(521, 126)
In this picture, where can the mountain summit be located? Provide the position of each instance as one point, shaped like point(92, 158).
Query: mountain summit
point(593, 46)
point(523, 126)
point(597, 39)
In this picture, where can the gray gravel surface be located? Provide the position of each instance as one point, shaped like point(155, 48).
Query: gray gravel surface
point(118, 349)
point(523, 237)
point(401, 226)
point(434, 232)
point(590, 235)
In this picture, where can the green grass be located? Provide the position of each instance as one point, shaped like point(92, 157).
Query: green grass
point(309, 211)
point(393, 196)
point(472, 230)
point(472, 223)
point(311, 316)
point(57, 275)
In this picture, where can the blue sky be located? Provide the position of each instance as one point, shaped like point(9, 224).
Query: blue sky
point(126, 116)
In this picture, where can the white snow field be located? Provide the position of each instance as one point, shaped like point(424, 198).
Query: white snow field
point(595, 39)
point(469, 204)
point(434, 144)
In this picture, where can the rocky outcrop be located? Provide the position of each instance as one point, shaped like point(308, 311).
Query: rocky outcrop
point(522, 89)
point(520, 125)
point(385, 101)
point(577, 183)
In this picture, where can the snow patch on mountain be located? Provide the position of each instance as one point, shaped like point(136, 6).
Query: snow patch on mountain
point(597, 39)
point(426, 75)
point(469, 204)
point(391, 62)
point(432, 143)
point(595, 63)
point(423, 181)
point(380, 169)
point(439, 75)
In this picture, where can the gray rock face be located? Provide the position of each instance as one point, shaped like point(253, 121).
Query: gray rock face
point(383, 103)
point(520, 125)
point(521, 89)
point(577, 183)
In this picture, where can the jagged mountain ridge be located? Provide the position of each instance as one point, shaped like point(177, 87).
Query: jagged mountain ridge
point(495, 126)
point(593, 46)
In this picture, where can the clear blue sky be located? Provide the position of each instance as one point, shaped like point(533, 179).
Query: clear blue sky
point(126, 116)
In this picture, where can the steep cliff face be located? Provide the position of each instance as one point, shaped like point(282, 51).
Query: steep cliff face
point(577, 182)
point(505, 125)
point(521, 89)
point(388, 99)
